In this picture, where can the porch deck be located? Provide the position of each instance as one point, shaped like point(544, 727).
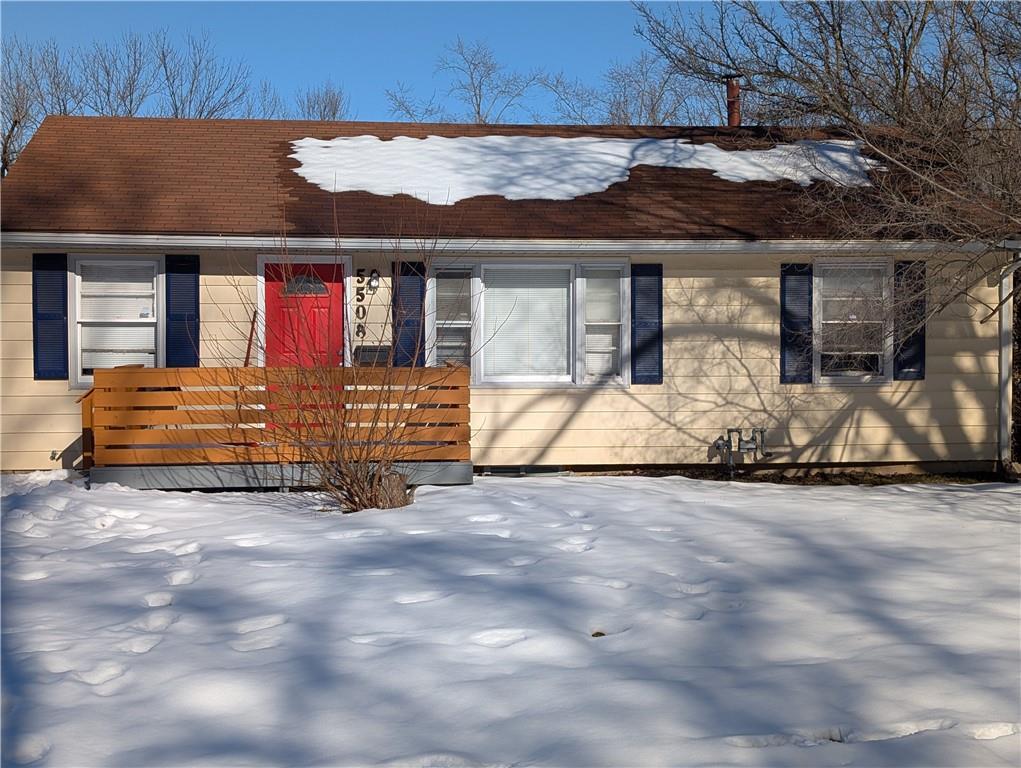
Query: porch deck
point(206, 428)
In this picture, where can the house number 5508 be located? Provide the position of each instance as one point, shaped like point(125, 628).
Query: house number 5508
point(360, 309)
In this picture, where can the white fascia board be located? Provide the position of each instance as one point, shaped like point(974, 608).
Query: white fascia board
point(474, 245)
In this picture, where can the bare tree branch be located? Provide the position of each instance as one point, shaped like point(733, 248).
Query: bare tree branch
point(18, 108)
point(194, 82)
point(119, 77)
point(323, 102)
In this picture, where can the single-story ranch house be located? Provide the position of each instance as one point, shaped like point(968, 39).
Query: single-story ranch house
point(612, 296)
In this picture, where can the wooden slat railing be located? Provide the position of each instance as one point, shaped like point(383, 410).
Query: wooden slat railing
point(167, 416)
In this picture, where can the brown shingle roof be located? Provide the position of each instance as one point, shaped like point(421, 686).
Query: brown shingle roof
point(234, 177)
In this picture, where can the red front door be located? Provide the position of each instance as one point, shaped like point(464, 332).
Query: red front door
point(304, 315)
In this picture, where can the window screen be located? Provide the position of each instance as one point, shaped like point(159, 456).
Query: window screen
point(853, 320)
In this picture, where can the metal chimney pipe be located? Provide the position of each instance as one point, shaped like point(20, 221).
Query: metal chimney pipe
point(733, 101)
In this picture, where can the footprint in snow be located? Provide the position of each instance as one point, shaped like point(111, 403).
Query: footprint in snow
point(255, 643)
point(499, 638)
point(600, 582)
point(578, 514)
point(357, 533)
point(685, 612)
point(259, 623)
point(481, 571)
point(381, 639)
point(158, 599)
point(251, 631)
point(18, 524)
point(710, 559)
point(103, 672)
point(141, 644)
point(486, 518)
point(30, 749)
point(575, 544)
point(29, 575)
point(255, 541)
point(522, 560)
point(181, 578)
point(188, 549)
point(694, 588)
point(273, 563)
point(501, 533)
point(426, 596)
point(155, 621)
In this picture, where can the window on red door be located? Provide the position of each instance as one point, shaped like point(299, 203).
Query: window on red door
point(304, 314)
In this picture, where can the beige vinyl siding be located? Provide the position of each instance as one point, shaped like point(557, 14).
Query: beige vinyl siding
point(721, 368)
point(721, 361)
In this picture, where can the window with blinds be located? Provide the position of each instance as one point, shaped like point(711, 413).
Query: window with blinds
point(602, 323)
point(453, 316)
point(526, 323)
point(116, 317)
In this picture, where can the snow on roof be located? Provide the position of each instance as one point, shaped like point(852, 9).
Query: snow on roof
point(443, 171)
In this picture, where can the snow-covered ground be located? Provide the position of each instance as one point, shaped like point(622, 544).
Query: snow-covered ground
point(738, 625)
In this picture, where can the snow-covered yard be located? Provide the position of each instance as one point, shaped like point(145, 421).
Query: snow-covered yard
point(576, 621)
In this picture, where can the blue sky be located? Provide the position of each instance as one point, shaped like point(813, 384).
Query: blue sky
point(366, 47)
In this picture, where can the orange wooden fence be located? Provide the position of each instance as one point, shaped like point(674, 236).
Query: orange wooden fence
point(164, 416)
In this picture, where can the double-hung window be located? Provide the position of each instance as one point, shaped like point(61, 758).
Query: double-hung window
point(853, 328)
point(453, 316)
point(532, 323)
point(116, 309)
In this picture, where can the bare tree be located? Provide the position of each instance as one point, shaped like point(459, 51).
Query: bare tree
point(643, 91)
point(929, 89)
point(406, 106)
point(323, 102)
point(18, 108)
point(486, 90)
point(119, 76)
point(57, 76)
point(265, 103)
point(195, 82)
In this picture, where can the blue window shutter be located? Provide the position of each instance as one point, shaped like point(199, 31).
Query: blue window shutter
point(408, 313)
point(646, 323)
point(182, 308)
point(796, 324)
point(49, 316)
point(909, 320)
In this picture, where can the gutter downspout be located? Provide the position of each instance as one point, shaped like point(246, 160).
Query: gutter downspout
point(1006, 354)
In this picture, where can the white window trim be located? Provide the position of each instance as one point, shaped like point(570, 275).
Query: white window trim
point(817, 279)
point(347, 268)
point(76, 379)
point(576, 352)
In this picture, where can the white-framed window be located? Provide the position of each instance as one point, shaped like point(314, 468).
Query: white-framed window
point(532, 322)
point(853, 328)
point(115, 315)
point(453, 315)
